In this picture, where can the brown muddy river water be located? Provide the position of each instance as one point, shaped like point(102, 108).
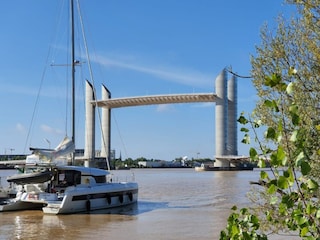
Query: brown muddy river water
point(173, 204)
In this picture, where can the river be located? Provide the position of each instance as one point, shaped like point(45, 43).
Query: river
point(173, 204)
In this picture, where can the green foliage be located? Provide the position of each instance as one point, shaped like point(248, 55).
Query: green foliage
point(290, 193)
point(242, 225)
point(286, 75)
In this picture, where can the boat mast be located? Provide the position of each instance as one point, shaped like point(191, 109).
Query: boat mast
point(72, 78)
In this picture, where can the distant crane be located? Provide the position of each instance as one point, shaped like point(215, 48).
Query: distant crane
point(10, 149)
point(49, 143)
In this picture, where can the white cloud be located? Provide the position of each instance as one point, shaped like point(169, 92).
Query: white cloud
point(20, 128)
point(27, 90)
point(47, 129)
point(164, 108)
point(204, 105)
point(178, 75)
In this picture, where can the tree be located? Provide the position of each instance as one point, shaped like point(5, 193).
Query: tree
point(286, 74)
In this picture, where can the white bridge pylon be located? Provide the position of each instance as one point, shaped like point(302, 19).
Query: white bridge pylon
point(226, 113)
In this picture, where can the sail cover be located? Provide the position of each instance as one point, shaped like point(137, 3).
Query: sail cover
point(66, 146)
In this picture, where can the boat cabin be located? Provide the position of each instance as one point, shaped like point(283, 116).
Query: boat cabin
point(65, 176)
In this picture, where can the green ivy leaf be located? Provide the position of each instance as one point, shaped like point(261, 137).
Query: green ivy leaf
point(244, 130)
point(272, 104)
point(301, 220)
point(255, 221)
point(282, 87)
point(300, 158)
point(304, 186)
point(310, 209)
point(305, 168)
point(253, 153)
point(272, 189)
point(242, 120)
point(263, 175)
point(272, 80)
point(261, 163)
point(282, 182)
point(234, 208)
point(304, 231)
point(234, 230)
point(273, 159)
point(312, 185)
point(295, 118)
point(287, 201)
point(268, 103)
point(246, 139)
point(288, 174)
point(278, 158)
point(271, 133)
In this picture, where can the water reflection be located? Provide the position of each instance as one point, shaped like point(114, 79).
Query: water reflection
point(102, 221)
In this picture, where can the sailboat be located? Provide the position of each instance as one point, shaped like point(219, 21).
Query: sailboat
point(47, 182)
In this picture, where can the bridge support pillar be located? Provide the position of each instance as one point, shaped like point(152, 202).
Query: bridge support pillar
point(222, 163)
point(221, 114)
point(232, 116)
point(106, 126)
point(89, 151)
point(226, 116)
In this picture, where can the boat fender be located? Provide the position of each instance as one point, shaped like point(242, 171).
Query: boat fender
point(88, 205)
point(109, 199)
point(121, 198)
point(130, 196)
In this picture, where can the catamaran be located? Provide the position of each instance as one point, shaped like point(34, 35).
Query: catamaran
point(47, 182)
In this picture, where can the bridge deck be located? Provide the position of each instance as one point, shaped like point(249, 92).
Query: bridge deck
point(156, 99)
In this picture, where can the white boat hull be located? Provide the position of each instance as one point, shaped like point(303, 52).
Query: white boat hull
point(18, 203)
point(89, 199)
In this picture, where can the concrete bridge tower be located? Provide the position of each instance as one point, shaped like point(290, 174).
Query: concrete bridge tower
point(221, 114)
point(106, 125)
point(89, 151)
point(232, 116)
point(226, 119)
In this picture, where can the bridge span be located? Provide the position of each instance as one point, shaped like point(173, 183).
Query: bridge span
point(225, 100)
point(156, 99)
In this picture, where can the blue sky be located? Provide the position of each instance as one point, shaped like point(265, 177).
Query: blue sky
point(136, 48)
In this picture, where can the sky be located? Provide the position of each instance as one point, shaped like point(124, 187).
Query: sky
point(136, 48)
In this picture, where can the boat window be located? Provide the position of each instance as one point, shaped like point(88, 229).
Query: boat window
point(100, 179)
point(77, 177)
point(69, 177)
